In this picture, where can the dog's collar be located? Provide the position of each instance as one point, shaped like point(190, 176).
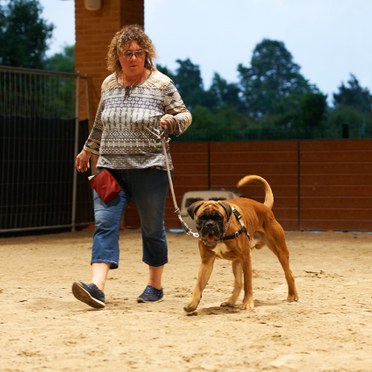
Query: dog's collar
point(243, 229)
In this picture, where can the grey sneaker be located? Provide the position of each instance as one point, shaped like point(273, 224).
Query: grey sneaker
point(89, 294)
point(151, 294)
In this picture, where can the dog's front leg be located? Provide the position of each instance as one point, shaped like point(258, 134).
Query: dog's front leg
point(205, 271)
point(237, 271)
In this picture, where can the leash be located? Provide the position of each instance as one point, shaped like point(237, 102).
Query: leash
point(160, 135)
point(164, 141)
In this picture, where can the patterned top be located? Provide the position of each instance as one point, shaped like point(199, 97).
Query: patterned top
point(121, 133)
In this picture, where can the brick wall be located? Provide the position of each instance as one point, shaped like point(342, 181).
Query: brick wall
point(93, 32)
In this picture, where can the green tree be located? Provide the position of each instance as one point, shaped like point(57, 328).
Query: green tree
point(224, 93)
point(272, 77)
point(24, 34)
point(348, 122)
point(313, 109)
point(353, 95)
point(190, 84)
point(64, 61)
point(352, 110)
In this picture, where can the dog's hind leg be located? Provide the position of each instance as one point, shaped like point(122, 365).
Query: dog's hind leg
point(275, 239)
point(246, 263)
point(238, 283)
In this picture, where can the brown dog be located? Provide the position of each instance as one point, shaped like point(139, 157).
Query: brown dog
point(229, 229)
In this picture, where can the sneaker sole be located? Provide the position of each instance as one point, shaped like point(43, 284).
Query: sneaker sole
point(84, 296)
point(142, 301)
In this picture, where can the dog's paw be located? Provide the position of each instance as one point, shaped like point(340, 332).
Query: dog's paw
point(292, 297)
point(247, 305)
point(189, 308)
point(227, 304)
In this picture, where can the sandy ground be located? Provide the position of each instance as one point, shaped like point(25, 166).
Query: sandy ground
point(43, 327)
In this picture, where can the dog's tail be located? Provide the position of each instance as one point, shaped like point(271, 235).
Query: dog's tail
point(269, 197)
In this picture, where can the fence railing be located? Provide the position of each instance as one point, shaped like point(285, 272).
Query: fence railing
point(40, 134)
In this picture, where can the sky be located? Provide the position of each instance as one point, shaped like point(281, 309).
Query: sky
point(328, 39)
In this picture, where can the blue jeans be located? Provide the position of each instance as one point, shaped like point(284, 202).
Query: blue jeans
point(148, 188)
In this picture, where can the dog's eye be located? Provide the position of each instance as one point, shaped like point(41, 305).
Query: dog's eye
point(214, 217)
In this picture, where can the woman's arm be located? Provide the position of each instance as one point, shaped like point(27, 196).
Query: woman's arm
point(177, 118)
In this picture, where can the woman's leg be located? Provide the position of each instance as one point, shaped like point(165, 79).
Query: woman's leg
point(149, 188)
point(105, 249)
point(105, 252)
point(155, 275)
point(99, 274)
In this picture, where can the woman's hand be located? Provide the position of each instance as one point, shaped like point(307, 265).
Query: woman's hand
point(168, 123)
point(82, 161)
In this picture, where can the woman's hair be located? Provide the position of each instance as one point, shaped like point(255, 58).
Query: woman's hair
point(120, 42)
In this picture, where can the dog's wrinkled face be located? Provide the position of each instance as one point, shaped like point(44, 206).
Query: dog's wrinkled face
point(210, 217)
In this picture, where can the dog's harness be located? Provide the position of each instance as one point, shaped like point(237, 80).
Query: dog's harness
point(243, 229)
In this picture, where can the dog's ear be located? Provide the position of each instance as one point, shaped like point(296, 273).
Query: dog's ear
point(227, 207)
point(194, 207)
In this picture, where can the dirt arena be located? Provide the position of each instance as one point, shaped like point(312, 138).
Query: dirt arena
point(43, 327)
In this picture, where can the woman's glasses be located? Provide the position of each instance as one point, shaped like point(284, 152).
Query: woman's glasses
point(128, 54)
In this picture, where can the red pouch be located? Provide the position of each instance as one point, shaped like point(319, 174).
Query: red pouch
point(106, 185)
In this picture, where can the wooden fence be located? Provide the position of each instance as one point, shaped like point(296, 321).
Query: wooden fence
point(317, 185)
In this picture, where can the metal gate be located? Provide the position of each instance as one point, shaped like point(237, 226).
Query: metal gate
point(40, 134)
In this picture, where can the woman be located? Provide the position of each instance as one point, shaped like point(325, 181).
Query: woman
point(136, 102)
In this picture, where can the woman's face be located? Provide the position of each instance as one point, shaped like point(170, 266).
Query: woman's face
point(132, 59)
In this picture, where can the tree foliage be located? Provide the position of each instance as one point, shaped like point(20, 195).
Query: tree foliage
point(281, 103)
point(271, 79)
point(24, 34)
point(190, 82)
point(64, 61)
point(352, 110)
point(224, 93)
point(313, 108)
point(353, 95)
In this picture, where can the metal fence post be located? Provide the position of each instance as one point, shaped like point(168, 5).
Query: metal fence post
point(76, 149)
